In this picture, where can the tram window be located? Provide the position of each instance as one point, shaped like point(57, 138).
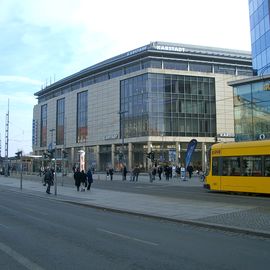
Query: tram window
point(231, 166)
point(252, 166)
point(267, 166)
point(215, 166)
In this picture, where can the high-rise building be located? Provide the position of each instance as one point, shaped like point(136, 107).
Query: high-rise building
point(259, 11)
point(252, 96)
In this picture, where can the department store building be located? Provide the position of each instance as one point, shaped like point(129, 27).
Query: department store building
point(155, 98)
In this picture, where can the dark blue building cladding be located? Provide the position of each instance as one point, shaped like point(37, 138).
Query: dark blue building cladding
point(259, 11)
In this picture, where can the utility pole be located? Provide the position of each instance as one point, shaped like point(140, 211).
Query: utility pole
point(6, 143)
point(122, 121)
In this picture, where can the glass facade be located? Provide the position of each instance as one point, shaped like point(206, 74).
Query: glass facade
point(43, 128)
point(60, 121)
point(168, 105)
point(252, 111)
point(82, 110)
point(260, 34)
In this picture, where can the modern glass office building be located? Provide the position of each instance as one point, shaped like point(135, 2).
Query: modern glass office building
point(252, 108)
point(252, 96)
point(259, 11)
point(154, 98)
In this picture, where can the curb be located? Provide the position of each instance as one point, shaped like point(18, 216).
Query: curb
point(224, 228)
point(219, 227)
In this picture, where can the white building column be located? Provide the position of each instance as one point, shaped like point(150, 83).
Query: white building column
point(130, 157)
point(177, 148)
point(112, 154)
point(98, 158)
point(204, 157)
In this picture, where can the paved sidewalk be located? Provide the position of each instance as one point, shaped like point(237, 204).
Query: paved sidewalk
point(225, 216)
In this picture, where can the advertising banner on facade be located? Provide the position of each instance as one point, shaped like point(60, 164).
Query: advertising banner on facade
point(190, 149)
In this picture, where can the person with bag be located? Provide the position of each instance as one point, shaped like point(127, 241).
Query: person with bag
point(48, 179)
point(89, 179)
point(77, 178)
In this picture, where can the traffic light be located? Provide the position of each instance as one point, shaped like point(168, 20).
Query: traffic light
point(151, 155)
point(51, 153)
point(65, 153)
point(18, 154)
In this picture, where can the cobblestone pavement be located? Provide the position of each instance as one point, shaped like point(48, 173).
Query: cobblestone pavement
point(255, 219)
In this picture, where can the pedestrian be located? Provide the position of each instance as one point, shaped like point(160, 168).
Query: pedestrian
point(135, 173)
point(124, 173)
point(159, 170)
point(167, 172)
point(111, 173)
point(107, 173)
point(83, 178)
point(89, 179)
point(48, 179)
point(183, 173)
point(77, 178)
point(190, 170)
point(154, 172)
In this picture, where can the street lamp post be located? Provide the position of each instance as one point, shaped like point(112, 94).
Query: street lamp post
point(122, 115)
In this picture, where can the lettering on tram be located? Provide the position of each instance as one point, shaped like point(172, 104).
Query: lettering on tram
point(240, 167)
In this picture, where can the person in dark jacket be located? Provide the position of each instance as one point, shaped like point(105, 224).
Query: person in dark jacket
point(124, 173)
point(111, 173)
point(89, 179)
point(77, 178)
point(83, 180)
point(48, 179)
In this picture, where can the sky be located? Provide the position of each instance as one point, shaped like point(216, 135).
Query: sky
point(43, 41)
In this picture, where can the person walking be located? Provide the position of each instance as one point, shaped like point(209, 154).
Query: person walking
point(124, 173)
point(111, 173)
point(48, 179)
point(89, 179)
point(77, 178)
point(154, 172)
point(159, 170)
point(135, 174)
point(83, 179)
point(190, 170)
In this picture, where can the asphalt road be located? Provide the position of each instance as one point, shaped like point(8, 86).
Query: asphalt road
point(41, 233)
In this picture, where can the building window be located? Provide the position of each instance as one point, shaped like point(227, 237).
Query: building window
point(43, 127)
point(252, 111)
point(60, 121)
point(157, 103)
point(82, 109)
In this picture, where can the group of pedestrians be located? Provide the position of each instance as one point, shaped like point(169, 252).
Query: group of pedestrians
point(83, 180)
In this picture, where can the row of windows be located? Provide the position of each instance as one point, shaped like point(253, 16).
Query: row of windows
point(241, 166)
point(171, 112)
point(261, 61)
point(149, 63)
point(258, 13)
point(260, 28)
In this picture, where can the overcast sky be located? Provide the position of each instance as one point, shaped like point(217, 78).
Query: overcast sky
point(46, 40)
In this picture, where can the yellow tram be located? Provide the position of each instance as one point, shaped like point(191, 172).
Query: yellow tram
point(240, 167)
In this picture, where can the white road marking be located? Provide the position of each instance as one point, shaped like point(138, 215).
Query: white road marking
point(19, 258)
point(128, 237)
